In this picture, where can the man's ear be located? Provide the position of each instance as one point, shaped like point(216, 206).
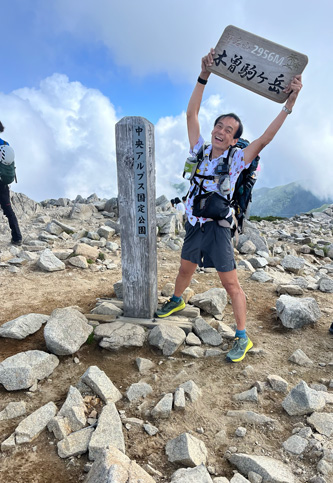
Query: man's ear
point(235, 142)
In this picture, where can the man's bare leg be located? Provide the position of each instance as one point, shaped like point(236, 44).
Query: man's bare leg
point(230, 282)
point(184, 277)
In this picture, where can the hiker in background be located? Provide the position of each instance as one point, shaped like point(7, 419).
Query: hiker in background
point(207, 242)
point(7, 159)
point(180, 206)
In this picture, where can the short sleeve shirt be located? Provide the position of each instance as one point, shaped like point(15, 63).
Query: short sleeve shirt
point(207, 167)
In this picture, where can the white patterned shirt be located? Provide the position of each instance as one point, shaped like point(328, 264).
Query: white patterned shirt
point(207, 167)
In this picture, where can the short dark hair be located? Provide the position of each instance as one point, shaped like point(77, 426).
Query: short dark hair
point(2, 127)
point(239, 131)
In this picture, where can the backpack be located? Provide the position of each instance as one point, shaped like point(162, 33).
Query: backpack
point(7, 163)
point(243, 189)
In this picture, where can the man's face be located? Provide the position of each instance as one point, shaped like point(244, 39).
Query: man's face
point(223, 134)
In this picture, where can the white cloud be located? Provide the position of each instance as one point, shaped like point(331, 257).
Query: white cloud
point(63, 136)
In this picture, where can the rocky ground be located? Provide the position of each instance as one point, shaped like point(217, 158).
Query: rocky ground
point(265, 271)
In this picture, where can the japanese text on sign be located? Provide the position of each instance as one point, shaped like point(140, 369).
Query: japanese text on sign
point(256, 63)
point(140, 180)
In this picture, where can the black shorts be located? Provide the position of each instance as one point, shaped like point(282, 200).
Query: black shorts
point(209, 246)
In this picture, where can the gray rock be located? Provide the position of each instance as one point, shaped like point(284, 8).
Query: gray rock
point(322, 422)
point(289, 290)
point(166, 338)
point(270, 469)
point(300, 358)
point(191, 475)
point(225, 331)
point(195, 352)
point(303, 400)
point(107, 308)
point(35, 423)
point(250, 395)
point(186, 450)
point(9, 443)
point(261, 276)
point(213, 301)
point(150, 429)
point(117, 335)
point(99, 382)
point(192, 391)
point(179, 399)
point(66, 331)
point(24, 369)
point(75, 443)
point(13, 410)
point(23, 326)
point(258, 262)
point(206, 332)
point(79, 262)
point(293, 264)
point(82, 211)
point(238, 478)
point(108, 432)
point(49, 262)
point(192, 339)
point(144, 365)
point(295, 444)
point(295, 313)
point(277, 383)
point(250, 417)
point(86, 251)
point(115, 467)
point(253, 234)
point(163, 408)
point(138, 390)
point(248, 247)
point(118, 288)
point(106, 232)
point(73, 410)
point(326, 285)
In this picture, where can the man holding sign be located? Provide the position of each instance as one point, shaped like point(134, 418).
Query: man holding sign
point(208, 240)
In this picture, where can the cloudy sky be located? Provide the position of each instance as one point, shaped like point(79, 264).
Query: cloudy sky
point(71, 69)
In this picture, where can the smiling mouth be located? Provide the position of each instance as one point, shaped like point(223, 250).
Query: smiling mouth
point(219, 139)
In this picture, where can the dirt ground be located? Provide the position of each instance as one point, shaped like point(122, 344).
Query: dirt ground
point(31, 290)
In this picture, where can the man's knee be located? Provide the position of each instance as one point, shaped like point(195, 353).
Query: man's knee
point(187, 269)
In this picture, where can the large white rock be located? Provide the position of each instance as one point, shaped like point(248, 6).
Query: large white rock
point(269, 469)
point(108, 432)
point(23, 326)
point(24, 369)
point(66, 331)
point(100, 383)
point(33, 425)
point(297, 312)
point(49, 262)
point(187, 450)
point(115, 466)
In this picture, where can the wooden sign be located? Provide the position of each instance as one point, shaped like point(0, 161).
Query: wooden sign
point(135, 148)
point(255, 63)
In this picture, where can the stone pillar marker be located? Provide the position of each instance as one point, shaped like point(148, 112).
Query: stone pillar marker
point(135, 150)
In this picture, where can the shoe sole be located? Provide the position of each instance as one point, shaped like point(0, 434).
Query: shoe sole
point(247, 348)
point(176, 309)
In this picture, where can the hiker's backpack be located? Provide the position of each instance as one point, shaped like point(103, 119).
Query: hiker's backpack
point(7, 163)
point(243, 189)
point(244, 185)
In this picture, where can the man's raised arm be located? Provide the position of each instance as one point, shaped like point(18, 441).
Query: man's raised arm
point(193, 126)
point(254, 148)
